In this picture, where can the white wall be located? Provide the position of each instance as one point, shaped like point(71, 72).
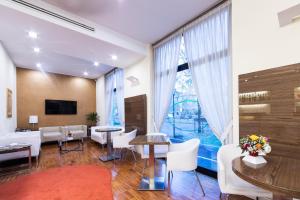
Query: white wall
point(258, 42)
point(100, 99)
point(7, 80)
point(143, 72)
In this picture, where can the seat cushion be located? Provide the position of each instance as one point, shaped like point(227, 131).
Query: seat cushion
point(50, 129)
point(52, 134)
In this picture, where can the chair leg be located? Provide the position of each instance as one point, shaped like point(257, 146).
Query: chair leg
point(199, 183)
point(133, 155)
point(114, 154)
point(256, 198)
point(171, 174)
point(169, 184)
point(220, 196)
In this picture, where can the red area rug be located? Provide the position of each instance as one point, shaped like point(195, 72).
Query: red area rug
point(82, 182)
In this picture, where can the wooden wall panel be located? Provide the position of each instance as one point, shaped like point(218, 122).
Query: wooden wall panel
point(136, 113)
point(282, 123)
point(33, 87)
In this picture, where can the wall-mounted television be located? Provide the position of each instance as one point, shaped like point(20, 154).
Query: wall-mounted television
point(60, 107)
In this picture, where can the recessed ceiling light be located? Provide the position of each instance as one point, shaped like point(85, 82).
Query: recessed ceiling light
point(32, 34)
point(36, 50)
point(85, 73)
point(96, 63)
point(114, 57)
point(38, 65)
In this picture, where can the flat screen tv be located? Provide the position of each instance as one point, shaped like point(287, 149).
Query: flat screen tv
point(60, 107)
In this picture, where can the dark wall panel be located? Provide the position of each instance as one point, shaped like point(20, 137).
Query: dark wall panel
point(136, 113)
point(269, 105)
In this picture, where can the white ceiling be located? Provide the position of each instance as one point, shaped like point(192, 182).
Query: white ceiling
point(123, 28)
point(63, 51)
point(143, 20)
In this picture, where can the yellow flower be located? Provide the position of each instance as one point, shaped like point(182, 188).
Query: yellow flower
point(254, 137)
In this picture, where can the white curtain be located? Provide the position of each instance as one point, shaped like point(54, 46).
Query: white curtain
point(208, 53)
point(119, 75)
point(165, 69)
point(109, 93)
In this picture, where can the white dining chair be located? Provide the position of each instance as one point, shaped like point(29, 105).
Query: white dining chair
point(122, 142)
point(101, 137)
point(183, 157)
point(160, 151)
point(228, 181)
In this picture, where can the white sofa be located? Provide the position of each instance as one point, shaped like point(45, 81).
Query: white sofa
point(51, 134)
point(33, 138)
point(100, 137)
point(77, 131)
point(56, 133)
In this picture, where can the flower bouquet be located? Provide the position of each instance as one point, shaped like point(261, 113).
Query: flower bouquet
point(256, 146)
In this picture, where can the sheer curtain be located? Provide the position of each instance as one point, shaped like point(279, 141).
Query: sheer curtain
point(119, 75)
point(109, 92)
point(165, 69)
point(208, 54)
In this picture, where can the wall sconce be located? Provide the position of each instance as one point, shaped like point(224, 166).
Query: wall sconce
point(133, 80)
point(289, 15)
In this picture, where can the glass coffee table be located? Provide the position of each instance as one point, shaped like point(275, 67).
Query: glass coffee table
point(65, 147)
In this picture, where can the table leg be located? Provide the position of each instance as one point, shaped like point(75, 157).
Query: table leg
point(29, 157)
point(109, 153)
point(152, 182)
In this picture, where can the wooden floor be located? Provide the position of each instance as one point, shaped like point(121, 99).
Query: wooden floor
point(126, 174)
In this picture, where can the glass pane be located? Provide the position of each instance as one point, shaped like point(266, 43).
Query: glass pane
point(115, 115)
point(185, 121)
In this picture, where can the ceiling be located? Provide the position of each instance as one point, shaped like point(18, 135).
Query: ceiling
point(62, 50)
point(143, 20)
point(123, 28)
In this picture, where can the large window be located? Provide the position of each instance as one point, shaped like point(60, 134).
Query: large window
point(115, 118)
point(185, 121)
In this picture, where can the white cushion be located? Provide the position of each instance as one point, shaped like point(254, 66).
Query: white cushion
point(52, 134)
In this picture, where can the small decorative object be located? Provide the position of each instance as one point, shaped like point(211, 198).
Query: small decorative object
point(133, 80)
point(256, 146)
point(92, 118)
point(9, 103)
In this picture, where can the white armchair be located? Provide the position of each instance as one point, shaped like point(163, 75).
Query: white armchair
point(101, 137)
point(228, 181)
point(183, 157)
point(122, 142)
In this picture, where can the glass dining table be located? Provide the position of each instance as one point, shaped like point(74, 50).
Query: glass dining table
point(109, 153)
point(152, 182)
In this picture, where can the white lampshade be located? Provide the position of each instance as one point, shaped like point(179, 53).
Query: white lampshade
point(33, 119)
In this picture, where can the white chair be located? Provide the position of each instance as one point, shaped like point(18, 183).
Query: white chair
point(183, 157)
point(160, 151)
point(101, 137)
point(122, 142)
point(228, 181)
